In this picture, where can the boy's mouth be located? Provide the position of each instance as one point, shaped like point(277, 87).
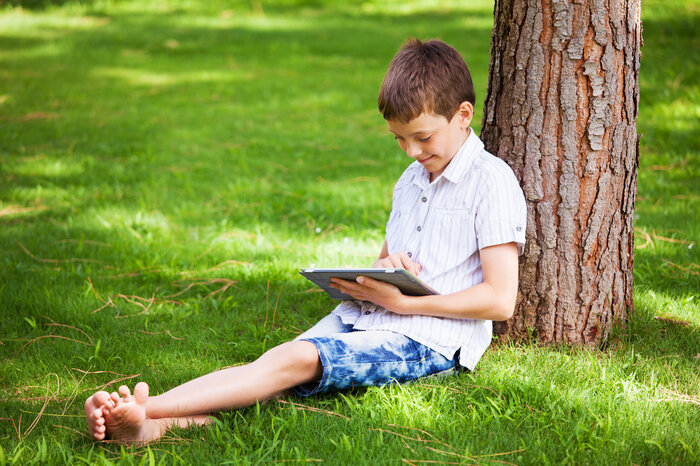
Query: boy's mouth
point(426, 160)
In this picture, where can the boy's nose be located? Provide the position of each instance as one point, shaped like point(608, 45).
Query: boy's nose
point(413, 150)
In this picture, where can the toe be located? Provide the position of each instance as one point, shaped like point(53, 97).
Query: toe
point(88, 404)
point(100, 398)
point(125, 393)
point(115, 398)
point(97, 414)
point(141, 392)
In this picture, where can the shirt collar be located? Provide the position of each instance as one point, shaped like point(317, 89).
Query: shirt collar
point(460, 164)
point(458, 167)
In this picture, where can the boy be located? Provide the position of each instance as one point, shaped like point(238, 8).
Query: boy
point(457, 221)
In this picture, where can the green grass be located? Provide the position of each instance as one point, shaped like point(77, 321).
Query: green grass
point(147, 146)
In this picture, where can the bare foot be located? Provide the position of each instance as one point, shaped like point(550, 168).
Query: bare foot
point(125, 418)
point(121, 417)
point(94, 416)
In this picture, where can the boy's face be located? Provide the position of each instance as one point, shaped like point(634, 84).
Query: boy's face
point(431, 139)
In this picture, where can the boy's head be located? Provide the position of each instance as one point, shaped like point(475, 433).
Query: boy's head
point(425, 77)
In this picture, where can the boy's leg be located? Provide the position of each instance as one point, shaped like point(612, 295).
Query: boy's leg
point(279, 369)
point(142, 418)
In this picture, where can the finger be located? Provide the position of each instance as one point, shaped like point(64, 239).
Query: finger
point(336, 282)
point(409, 265)
point(375, 288)
point(397, 260)
point(345, 286)
point(366, 281)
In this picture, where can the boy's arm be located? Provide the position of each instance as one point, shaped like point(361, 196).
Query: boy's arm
point(493, 299)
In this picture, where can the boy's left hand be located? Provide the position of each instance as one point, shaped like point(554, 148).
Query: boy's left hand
point(366, 289)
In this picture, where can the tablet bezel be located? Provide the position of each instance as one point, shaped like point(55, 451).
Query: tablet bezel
point(408, 283)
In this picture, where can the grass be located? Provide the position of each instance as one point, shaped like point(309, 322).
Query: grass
point(165, 169)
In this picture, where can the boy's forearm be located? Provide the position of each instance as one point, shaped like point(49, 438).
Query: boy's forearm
point(494, 299)
point(479, 302)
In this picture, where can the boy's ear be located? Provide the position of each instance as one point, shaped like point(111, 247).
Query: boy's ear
point(466, 113)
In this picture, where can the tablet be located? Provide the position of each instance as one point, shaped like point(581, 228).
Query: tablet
point(408, 284)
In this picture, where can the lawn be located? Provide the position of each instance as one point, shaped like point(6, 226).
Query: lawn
point(166, 167)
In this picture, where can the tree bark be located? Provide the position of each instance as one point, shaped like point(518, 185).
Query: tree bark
point(561, 110)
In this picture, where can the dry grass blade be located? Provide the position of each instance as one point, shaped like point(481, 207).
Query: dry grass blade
point(38, 116)
point(433, 387)
point(434, 439)
point(54, 261)
point(112, 382)
point(314, 290)
point(305, 460)
point(53, 324)
point(99, 372)
point(669, 240)
point(405, 444)
point(109, 303)
point(81, 433)
point(60, 337)
point(315, 410)
point(166, 332)
point(670, 167)
point(145, 308)
point(73, 395)
point(14, 209)
point(416, 439)
point(407, 461)
point(500, 454)
point(647, 240)
point(94, 290)
point(189, 273)
point(135, 273)
point(48, 397)
point(692, 269)
point(672, 320)
point(679, 397)
point(226, 285)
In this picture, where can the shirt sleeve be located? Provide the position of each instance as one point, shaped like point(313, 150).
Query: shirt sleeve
point(501, 213)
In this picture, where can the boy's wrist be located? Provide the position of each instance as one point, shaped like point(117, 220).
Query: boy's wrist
point(405, 305)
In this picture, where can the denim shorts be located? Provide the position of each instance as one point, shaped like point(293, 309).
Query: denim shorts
point(360, 358)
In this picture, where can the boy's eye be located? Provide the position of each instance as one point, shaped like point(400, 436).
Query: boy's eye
point(425, 139)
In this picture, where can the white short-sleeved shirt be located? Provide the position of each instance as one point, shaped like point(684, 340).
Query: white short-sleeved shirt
point(475, 203)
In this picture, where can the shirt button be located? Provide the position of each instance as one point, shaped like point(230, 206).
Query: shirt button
point(418, 228)
point(409, 254)
point(367, 313)
point(425, 199)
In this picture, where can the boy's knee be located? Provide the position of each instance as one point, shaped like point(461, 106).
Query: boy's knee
point(302, 353)
point(295, 356)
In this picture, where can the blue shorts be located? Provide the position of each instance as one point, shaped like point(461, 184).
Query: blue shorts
point(360, 358)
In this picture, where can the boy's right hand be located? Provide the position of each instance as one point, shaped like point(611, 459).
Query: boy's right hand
point(399, 260)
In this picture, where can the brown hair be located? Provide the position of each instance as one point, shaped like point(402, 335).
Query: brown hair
point(425, 76)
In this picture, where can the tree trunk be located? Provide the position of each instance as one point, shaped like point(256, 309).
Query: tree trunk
point(561, 110)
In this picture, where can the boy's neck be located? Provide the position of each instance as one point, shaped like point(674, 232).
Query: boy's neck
point(431, 176)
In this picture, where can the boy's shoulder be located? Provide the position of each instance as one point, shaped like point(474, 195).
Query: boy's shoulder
point(492, 168)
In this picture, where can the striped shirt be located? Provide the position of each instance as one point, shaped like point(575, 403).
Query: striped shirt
point(475, 203)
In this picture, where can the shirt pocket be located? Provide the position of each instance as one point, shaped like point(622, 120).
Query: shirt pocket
point(453, 240)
